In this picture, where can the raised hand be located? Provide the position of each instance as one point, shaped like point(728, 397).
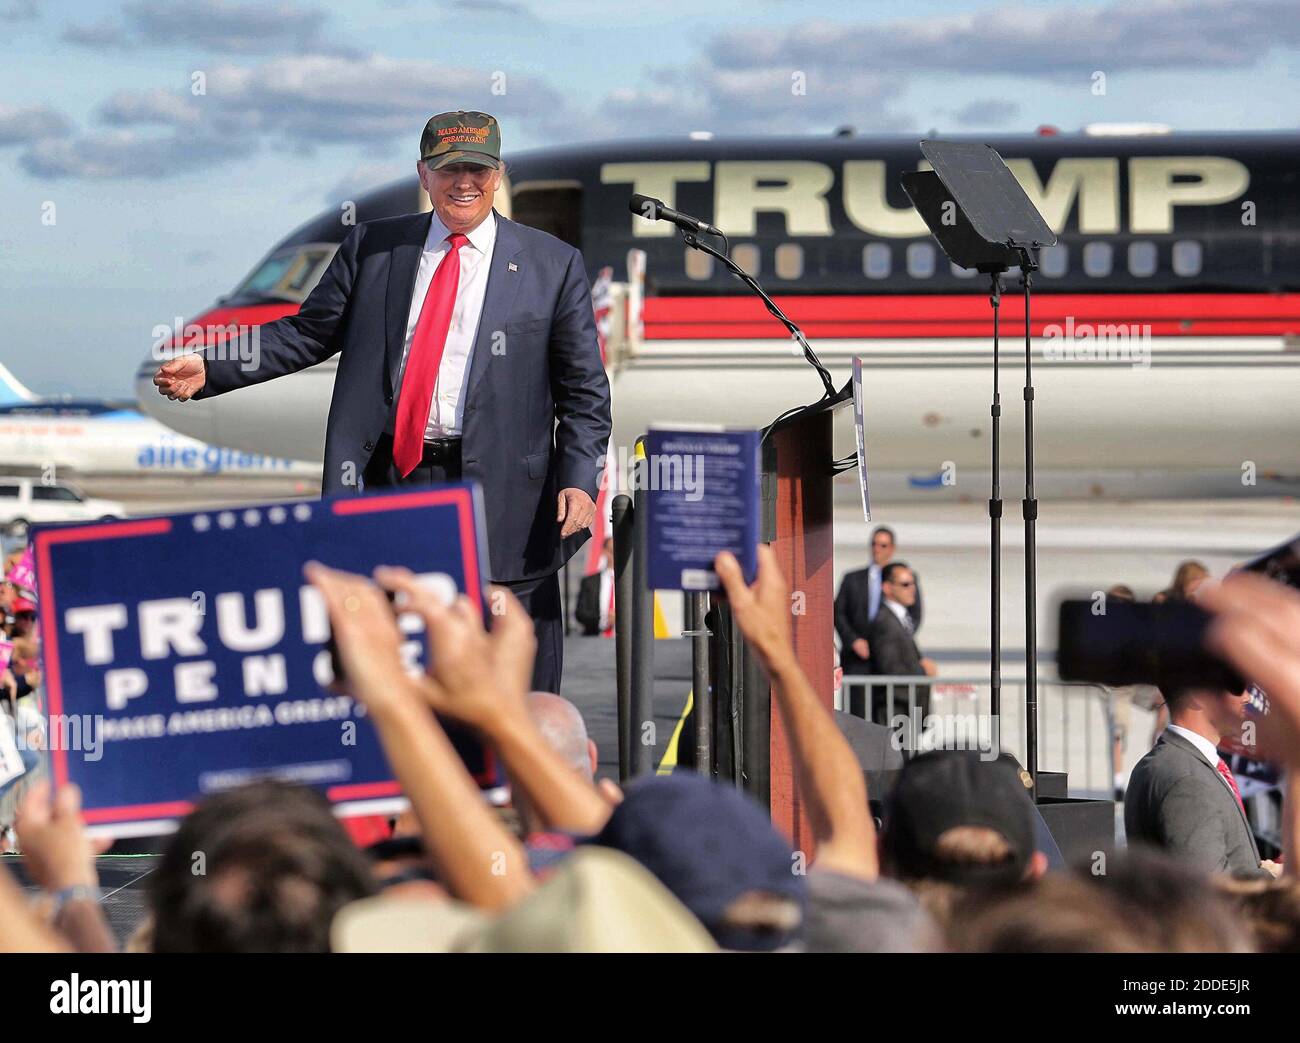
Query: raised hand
point(475, 676)
point(763, 610)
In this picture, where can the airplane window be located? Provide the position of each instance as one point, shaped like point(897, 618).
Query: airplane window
point(876, 261)
point(920, 260)
point(1187, 258)
point(1054, 261)
point(1097, 259)
point(963, 273)
point(789, 261)
point(746, 255)
point(698, 265)
point(1142, 258)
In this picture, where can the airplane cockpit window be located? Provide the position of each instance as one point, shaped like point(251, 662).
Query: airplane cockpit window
point(289, 274)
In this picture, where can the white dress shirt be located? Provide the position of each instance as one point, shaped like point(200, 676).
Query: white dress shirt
point(448, 406)
point(1208, 750)
point(873, 590)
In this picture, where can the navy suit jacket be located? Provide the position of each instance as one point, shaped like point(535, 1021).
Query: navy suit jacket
point(537, 410)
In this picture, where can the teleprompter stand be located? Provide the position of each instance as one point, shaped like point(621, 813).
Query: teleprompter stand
point(983, 220)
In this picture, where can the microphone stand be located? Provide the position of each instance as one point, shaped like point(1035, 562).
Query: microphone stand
point(693, 241)
point(1029, 509)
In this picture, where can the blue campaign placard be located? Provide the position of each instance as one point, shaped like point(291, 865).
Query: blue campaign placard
point(703, 496)
point(186, 654)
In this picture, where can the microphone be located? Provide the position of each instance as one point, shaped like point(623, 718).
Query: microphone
point(654, 210)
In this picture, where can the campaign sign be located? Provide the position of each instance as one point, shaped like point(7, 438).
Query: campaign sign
point(703, 495)
point(186, 654)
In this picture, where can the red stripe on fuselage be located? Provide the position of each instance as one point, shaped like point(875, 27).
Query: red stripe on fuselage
point(969, 315)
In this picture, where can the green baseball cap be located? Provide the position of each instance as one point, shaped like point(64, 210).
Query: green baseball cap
point(461, 137)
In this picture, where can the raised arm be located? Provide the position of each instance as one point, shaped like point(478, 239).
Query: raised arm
point(272, 349)
point(476, 857)
point(487, 690)
point(1256, 629)
point(828, 773)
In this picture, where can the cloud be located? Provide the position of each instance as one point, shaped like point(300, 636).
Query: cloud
point(19, 10)
point(987, 112)
point(1031, 41)
point(124, 154)
point(296, 103)
point(760, 99)
point(491, 7)
point(102, 36)
point(365, 176)
point(157, 106)
point(213, 26)
point(22, 124)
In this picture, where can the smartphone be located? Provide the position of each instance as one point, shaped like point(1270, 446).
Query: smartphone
point(1140, 643)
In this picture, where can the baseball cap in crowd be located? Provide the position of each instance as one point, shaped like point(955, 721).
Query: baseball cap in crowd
point(710, 845)
point(461, 137)
point(945, 789)
point(598, 901)
point(22, 605)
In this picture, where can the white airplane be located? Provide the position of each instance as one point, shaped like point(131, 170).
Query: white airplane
point(95, 438)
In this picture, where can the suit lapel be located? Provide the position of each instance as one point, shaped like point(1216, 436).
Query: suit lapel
point(402, 268)
point(1177, 740)
point(502, 285)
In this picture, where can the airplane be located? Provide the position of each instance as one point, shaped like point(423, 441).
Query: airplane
point(98, 438)
point(1166, 321)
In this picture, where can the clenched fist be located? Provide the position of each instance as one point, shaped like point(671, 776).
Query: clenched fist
point(181, 378)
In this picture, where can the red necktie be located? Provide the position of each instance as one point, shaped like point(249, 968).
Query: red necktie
point(424, 359)
point(1232, 783)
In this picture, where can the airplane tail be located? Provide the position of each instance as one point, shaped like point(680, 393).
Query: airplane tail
point(12, 390)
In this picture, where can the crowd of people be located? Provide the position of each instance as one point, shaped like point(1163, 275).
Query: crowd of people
point(21, 722)
point(675, 863)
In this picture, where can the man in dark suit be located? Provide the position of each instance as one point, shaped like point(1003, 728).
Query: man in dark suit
point(858, 601)
point(893, 646)
point(483, 368)
point(595, 611)
point(1181, 796)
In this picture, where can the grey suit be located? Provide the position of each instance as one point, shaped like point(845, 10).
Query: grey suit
point(894, 652)
point(1176, 801)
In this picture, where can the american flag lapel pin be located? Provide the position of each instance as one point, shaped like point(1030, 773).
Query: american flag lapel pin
point(512, 267)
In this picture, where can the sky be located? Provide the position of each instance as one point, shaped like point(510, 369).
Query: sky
point(152, 151)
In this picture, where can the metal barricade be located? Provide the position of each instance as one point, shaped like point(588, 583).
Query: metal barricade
point(1074, 721)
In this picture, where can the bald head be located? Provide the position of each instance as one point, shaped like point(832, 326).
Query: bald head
point(564, 730)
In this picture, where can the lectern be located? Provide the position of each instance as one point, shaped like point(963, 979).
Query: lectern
point(751, 746)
